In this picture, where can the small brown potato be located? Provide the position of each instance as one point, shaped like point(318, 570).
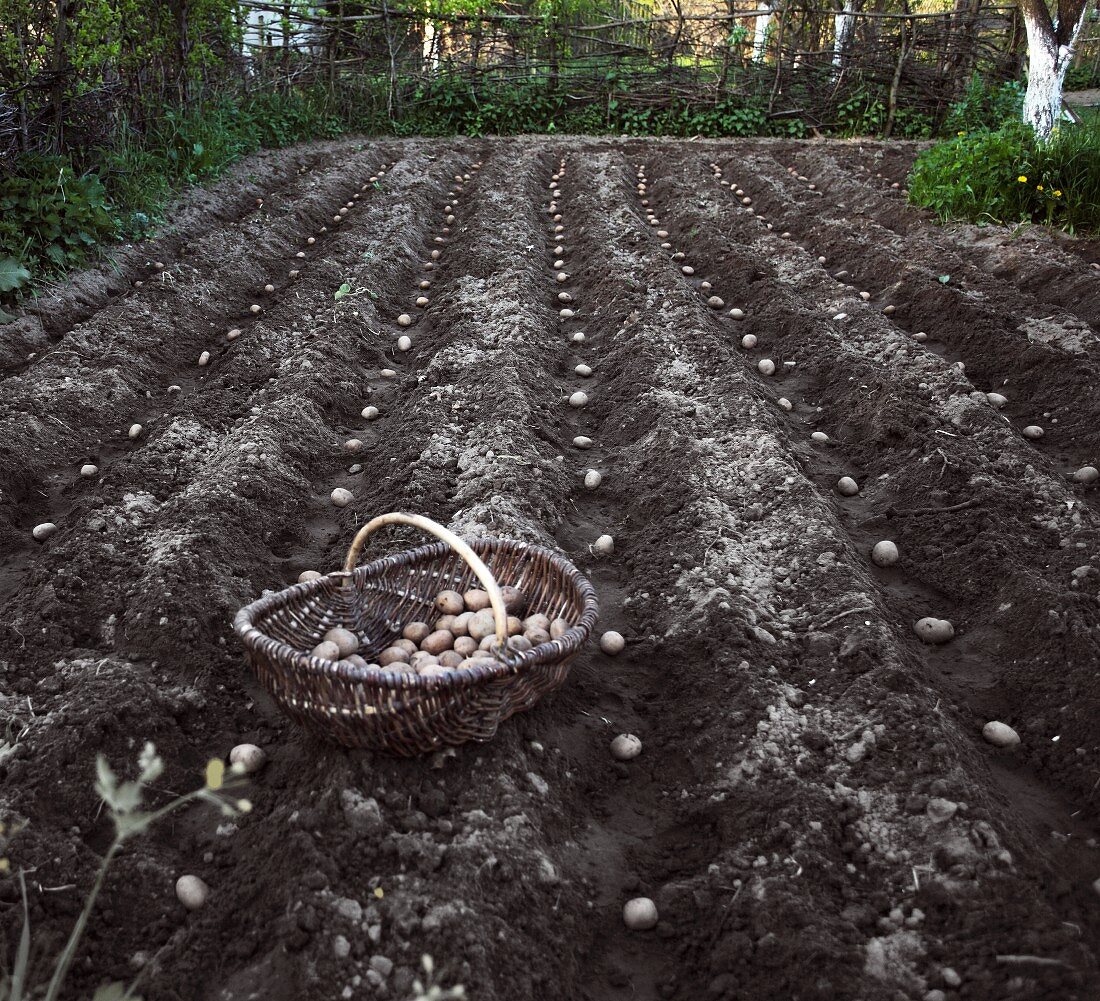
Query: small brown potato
point(446, 622)
point(417, 631)
point(514, 599)
point(515, 625)
point(308, 575)
point(433, 671)
point(357, 661)
point(558, 628)
point(437, 642)
point(465, 645)
point(450, 659)
point(326, 650)
point(407, 645)
point(482, 625)
point(346, 641)
point(476, 600)
point(393, 655)
point(422, 659)
point(520, 643)
point(450, 603)
point(471, 662)
point(535, 636)
point(537, 621)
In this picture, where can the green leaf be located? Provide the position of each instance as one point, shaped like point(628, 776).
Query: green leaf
point(944, 279)
point(12, 274)
point(342, 291)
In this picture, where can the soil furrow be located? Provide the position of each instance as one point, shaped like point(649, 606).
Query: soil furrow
point(814, 812)
point(271, 184)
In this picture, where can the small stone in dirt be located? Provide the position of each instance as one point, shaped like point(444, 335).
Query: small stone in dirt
point(847, 486)
point(715, 302)
point(388, 373)
point(582, 441)
point(204, 359)
point(748, 341)
point(371, 412)
point(353, 445)
point(950, 977)
point(578, 337)
point(737, 314)
point(341, 497)
point(604, 545)
point(889, 310)
point(583, 370)
point(578, 399)
point(625, 747)
point(592, 479)
point(612, 643)
point(42, 532)
point(884, 554)
point(404, 320)
point(191, 892)
point(766, 366)
point(341, 947)
point(135, 431)
point(940, 810)
point(640, 914)
point(996, 399)
point(382, 965)
point(920, 335)
point(1033, 431)
point(1000, 734)
point(1086, 474)
point(933, 630)
point(88, 470)
point(309, 575)
point(820, 437)
point(233, 334)
point(538, 783)
point(785, 404)
point(404, 343)
point(254, 309)
point(248, 757)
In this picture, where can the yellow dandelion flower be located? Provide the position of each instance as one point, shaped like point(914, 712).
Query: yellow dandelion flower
point(1038, 187)
point(960, 133)
point(1057, 193)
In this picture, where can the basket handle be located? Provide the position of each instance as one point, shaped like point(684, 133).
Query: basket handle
point(481, 571)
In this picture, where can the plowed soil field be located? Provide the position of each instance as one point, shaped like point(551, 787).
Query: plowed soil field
point(815, 811)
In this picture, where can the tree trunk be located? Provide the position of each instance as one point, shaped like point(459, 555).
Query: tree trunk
point(1050, 51)
point(760, 34)
point(844, 24)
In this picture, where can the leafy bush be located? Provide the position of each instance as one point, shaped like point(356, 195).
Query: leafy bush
point(985, 106)
point(1009, 176)
point(51, 217)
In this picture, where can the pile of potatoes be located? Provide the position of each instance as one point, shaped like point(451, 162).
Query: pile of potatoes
point(463, 633)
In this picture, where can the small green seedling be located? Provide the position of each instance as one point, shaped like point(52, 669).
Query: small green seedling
point(123, 800)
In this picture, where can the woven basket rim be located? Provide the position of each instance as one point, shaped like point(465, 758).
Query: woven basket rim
point(565, 645)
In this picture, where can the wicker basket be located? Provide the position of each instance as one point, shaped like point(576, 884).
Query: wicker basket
point(405, 713)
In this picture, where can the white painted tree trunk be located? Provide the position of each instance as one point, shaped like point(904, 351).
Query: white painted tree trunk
point(1047, 65)
point(760, 34)
point(844, 24)
point(431, 53)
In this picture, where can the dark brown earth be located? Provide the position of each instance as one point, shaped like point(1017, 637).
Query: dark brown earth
point(814, 812)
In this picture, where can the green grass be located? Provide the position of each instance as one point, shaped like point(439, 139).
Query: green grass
point(1007, 176)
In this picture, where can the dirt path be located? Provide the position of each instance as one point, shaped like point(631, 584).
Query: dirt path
point(814, 811)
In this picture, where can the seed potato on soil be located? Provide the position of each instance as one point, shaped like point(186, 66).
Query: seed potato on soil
point(816, 813)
